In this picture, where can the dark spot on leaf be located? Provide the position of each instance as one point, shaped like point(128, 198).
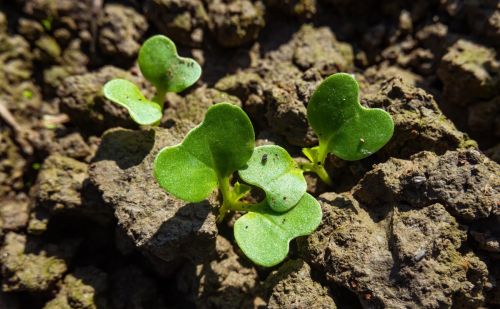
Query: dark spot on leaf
point(283, 221)
point(319, 163)
point(264, 159)
point(284, 198)
point(246, 226)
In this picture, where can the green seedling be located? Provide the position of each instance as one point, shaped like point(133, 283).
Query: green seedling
point(165, 69)
point(208, 158)
point(344, 127)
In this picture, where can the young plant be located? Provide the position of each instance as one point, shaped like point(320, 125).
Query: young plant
point(208, 158)
point(344, 127)
point(165, 69)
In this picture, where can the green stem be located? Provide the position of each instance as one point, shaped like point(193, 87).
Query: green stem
point(318, 169)
point(317, 163)
point(230, 200)
point(159, 97)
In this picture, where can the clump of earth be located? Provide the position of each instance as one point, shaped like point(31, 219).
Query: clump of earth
point(83, 224)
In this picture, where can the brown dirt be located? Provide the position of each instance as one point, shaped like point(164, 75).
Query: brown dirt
point(83, 224)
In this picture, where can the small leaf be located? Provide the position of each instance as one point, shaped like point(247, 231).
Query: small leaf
point(220, 145)
point(128, 95)
point(241, 190)
point(164, 68)
point(311, 153)
point(347, 129)
point(264, 235)
point(272, 169)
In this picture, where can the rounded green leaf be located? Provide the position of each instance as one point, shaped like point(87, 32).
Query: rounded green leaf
point(272, 169)
point(346, 128)
point(183, 175)
point(128, 95)
point(264, 235)
point(162, 66)
point(220, 145)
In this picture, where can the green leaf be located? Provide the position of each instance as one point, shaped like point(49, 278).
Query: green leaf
point(241, 190)
point(162, 66)
point(272, 169)
point(220, 145)
point(264, 235)
point(128, 95)
point(344, 127)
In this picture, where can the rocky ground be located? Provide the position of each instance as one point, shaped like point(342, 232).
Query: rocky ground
point(83, 224)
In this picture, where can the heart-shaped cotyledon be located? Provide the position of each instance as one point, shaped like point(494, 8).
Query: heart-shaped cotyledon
point(164, 68)
point(273, 170)
point(219, 146)
point(264, 235)
point(344, 127)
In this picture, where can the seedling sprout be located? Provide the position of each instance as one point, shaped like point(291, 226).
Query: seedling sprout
point(344, 127)
point(224, 144)
point(207, 159)
point(165, 69)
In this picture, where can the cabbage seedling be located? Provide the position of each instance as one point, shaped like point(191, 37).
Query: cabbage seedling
point(206, 160)
point(344, 127)
point(165, 69)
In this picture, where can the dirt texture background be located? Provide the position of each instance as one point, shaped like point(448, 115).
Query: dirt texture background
point(83, 223)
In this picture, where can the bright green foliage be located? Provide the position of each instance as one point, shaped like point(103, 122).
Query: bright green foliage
point(162, 66)
point(272, 169)
point(168, 72)
point(344, 127)
point(127, 94)
point(207, 158)
point(211, 152)
point(264, 235)
point(224, 143)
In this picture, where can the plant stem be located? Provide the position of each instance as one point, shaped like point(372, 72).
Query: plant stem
point(318, 169)
point(230, 200)
point(317, 163)
point(159, 97)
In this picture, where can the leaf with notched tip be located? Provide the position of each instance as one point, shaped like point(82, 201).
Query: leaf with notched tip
point(164, 68)
point(346, 128)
